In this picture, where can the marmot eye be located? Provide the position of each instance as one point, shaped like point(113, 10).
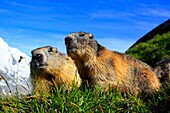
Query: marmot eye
point(50, 49)
point(82, 34)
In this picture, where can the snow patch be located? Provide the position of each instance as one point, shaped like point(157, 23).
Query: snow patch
point(14, 74)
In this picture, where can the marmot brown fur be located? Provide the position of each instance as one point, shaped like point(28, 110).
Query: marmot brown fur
point(50, 67)
point(162, 70)
point(102, 67)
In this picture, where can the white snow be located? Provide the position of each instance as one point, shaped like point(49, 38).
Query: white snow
point(15, 73)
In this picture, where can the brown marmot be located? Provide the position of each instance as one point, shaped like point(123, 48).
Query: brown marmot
point(162, 70)
point(102, 67)
point(50, 67)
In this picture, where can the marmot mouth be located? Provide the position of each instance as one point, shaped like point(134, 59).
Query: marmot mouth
point(40, 66)
point(71, 49)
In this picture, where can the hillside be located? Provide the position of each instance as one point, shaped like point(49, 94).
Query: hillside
point(159, 30)
point(154, 46)
point(153, 50)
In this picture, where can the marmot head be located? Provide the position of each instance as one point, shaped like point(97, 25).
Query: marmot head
point(77, 43)
point(48, 64)
point(45, 57)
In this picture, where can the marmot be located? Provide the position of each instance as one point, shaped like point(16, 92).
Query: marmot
point(102, 67)
point(162, 70)
point(50, 67)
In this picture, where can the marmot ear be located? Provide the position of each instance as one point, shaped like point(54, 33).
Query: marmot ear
point(91, 36)
point(55, 49)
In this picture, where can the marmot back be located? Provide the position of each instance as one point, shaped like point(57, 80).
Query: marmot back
point(49, 67)
point(102, 67)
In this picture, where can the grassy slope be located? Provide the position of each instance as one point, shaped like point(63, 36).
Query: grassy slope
point(87, 100)
point(153, 50)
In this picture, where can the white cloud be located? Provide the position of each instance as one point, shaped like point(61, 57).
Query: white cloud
point(155, 12)
point(27, 40)
point(4, 11)
point(19, 4)
point(116, 44)
point(110, 14)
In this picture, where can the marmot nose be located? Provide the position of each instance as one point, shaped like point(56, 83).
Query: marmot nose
point(68, 40)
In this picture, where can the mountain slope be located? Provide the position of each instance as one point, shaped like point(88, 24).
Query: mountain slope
point(154, 46)
point(153, 50)
point(159, 30)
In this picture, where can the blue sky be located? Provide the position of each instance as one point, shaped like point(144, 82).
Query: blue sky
point(116, 24)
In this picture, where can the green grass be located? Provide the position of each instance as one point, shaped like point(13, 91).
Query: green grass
point(87, 100)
